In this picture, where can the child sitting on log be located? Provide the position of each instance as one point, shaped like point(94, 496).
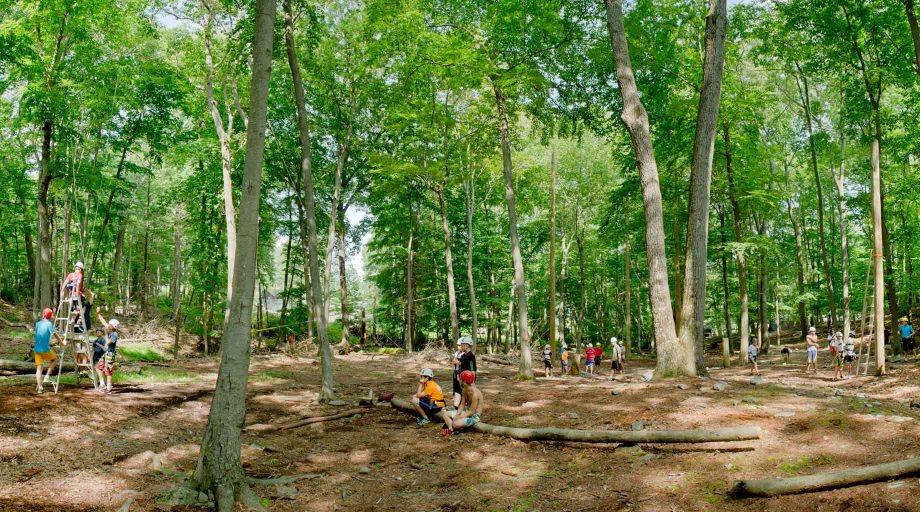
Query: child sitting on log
point(471, 404)
point(429, 400)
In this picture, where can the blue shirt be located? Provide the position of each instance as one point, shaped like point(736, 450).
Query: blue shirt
point(752, 350)
point(113, 340)
point(43, 331)
point(906, 331)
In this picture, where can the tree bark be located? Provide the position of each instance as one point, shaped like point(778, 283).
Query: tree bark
point(844, 249)
point(552, 253)
point(144, 257)
point(671, 359)
point(580, 239)
point(410, 281)
point(470, 205)
point(177, 262)
point(525, 368)
point(333, 211)
point(834, 480)
point(628, 271)
point(327, 391)
point(806, 110)
point(877, 255)
point(219, 465)
point(799, 260)
point(41, 295)
point(343, 278)
point(449, 265)
point(744, 323)
point(914, 32)
point(726, 310)
point(694, 297)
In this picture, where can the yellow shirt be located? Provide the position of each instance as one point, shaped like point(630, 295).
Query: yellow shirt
point(434, 393)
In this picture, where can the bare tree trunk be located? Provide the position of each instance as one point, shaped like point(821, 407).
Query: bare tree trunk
point(525, 366)
point(177, 262)
point(219, 465)
point(470, 205)
point(844, 249)
point(694, 296)
point(343, 278)
point(116, 263)
point(41, 295)
point(726, 340)
point(333, 211)
point(806, 108)
point(799, 260)
point(327, 392)
point(762, 296)
point(877, 255)
point(144, 277)
point(410, 281)
point(449, 265)
point(552, 252)
point(744, 324)
point(671, 358)
point(628, 346)
point(565, 267)
point(914, 32)
point(580, 239)
point(65, 245)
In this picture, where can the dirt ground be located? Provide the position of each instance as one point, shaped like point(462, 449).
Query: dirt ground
point(79, 450)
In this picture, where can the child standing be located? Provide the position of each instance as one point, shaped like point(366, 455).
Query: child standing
point(106, 365)
point(472, 402)
point(598, 352)
point(589, 359)
point(614, 357)
point(429, 400)
point(811, 341)
point(752, 356)
point(564, 359)
point(42, 352)
point(849, 354)
point(547, 362)
point(907, 335)
point(837, 353)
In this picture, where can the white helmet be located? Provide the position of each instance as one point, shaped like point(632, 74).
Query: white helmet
point(613, 340)
point(78, 265)
point(113, 323)
point(812, 329)
point(466, 340)
point(590, 345)
point(427, 372)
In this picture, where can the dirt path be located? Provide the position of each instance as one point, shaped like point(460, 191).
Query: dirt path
point(82, 451)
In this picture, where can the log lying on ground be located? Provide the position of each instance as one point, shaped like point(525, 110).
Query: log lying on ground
point(496, 360)
point(26, 366)
point(608, 436)
point(305, 421)
point(822, 481)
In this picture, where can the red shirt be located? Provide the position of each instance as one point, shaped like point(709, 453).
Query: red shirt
point(77, 279)
point(598, 352)
point(590, 354)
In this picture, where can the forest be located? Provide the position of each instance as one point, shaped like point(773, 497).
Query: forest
point(285, 208)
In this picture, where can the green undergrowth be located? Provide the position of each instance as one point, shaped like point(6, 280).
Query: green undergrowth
point(148, 375)
point(803, 464)
point(273, 375)
point(143, 351)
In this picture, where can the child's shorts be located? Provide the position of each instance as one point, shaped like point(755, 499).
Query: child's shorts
point(752, 359)
point(547, 364)
point(812, 354)
point(432, 410)
point(838, 360)
point(44, 357)
point(471, 420)
point(105, 367)
point(589, 363)
point(849, 358)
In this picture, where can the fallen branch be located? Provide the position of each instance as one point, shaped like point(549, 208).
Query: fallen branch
point(283, 480)
point(307, 420)
point(608, 436)
point(496, 360)
point(821, 481)
point(25, 366)
point(13, 324)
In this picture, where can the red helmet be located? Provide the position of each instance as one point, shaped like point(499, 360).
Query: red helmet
point(467, 376)
point(47, 313)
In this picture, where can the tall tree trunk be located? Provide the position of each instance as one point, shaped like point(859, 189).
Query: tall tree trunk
point(877, 255)
point(806, 108)
point(762, 294)
point(41, 295)
point(470, 205)
point(410, 281)
point(286, 285)
point(726, 340)
point(672, 360)
point(224, 136)
point(893, 309)
point(333, 213)
point(844, 249)
point(582, 302)
point(525, 366)
point(327, 392)
point(799, 260)
point(219, 465)
point(744, 323)
point(565, 267)
point(144, 277)
point(552, 251)
point(628, 272)
point(116, 260)
point(177, 262)
point(914, 32)
point(694, 297)
point(68, 208)
point(343, 278)
point(449, 265)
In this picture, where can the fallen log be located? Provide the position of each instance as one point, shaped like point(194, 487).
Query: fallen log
point(496, 360)
point(26, 366)
point(821, 481)
point(608, 436)
point(283, 480)
point(307, 420)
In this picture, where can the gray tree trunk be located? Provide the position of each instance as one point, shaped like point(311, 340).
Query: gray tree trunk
point(343, 278)
point(525, 366)
point(219, 466)
point(333, 211)
point(552, 252)
point(470, 205)
point(327, 391)
point(844, 249)
point(694, 299)
point(877, 254)
point(671, 361)
point(449, 264)
point(914, 31)
point(744, 323)
point(41, 294)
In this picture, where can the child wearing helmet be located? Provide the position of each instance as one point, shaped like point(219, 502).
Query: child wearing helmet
point(547, 362)
point(429, 400)
point(73, 283)
point(811, 341)
point(42, 352)
point(106, 365)
point(472, 402)
point(614, 357)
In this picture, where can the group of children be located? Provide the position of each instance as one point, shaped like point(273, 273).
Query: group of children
point(593, 357)
point(842, 350)
point(104, 346)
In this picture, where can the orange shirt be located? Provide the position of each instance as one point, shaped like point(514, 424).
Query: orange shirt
point(565, 355)
point(434, 393)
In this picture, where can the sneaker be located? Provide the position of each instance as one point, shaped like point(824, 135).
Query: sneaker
point(39, 390)
point(422, 421)
point(108, 389)
point(47, 380)
point(102, 389)
point(446, 432)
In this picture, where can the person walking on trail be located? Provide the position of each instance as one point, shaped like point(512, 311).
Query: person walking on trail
point(907, 335)
point(622, 352)
point(811, 342)
point(471, 409)
point(589, 359)
point(106, 366)
point(429, 400)
point(547, 362)
point(752, 356)
point(614, 357)
point(42, 352)
point(464, 360)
